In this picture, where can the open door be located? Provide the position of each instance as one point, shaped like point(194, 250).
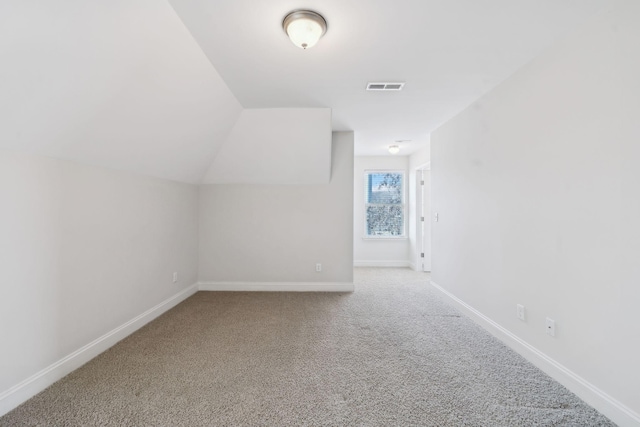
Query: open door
point(424, 229)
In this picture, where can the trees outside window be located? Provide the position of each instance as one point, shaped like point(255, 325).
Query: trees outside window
point(384, 204)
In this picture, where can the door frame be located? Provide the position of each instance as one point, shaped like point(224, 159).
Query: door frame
point(422, 176)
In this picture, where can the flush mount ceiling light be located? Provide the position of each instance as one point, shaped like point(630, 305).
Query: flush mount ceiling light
point(304, 27)
point(394, 149)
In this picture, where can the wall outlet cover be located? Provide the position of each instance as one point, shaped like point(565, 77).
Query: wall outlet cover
point(551, 327)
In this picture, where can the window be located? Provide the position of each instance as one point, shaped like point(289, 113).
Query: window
point(384, 203)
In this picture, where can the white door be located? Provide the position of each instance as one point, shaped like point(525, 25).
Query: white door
point(425, 216)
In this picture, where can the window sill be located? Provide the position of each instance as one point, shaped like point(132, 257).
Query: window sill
point(385, 238)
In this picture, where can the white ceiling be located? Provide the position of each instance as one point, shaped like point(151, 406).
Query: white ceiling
point(118, 83)
point(275, 146)
point(133, 85)
point(449, 52)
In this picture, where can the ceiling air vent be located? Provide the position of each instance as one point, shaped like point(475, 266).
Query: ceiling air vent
point(385, 86)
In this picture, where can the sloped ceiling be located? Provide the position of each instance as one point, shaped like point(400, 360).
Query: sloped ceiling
point(124, 84)
point(276, 146)
point(116, 83)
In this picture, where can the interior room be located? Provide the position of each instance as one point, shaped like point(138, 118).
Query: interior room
point(324, 213)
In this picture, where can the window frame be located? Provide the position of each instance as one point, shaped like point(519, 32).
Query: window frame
point(366, 174)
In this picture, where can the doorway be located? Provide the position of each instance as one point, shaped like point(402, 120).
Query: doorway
point(423, 218)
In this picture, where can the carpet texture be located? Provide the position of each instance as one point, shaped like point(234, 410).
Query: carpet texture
point(390, 354)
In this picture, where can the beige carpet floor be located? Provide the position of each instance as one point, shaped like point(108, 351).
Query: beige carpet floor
point(389, 354)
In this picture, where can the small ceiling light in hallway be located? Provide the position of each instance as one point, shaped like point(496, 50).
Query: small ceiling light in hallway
point(394, 149)
point(304, 27)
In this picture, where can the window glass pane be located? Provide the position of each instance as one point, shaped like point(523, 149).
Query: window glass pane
point(384, 187)
point(385, 220)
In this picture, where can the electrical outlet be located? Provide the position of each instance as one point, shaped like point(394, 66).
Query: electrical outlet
point(551, 327)
point(175, 276)
point(520, 312)
point(318, 267)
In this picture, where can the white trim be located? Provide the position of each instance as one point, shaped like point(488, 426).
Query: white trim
point(381, 264)
point(601, 401)
point(277, 286)
point(384, 238)
point(412, 266)
point(23, 391)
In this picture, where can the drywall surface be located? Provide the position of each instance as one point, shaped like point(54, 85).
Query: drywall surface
point(120, 84)
point(537, 189)
point(275, 146)
point(384, 252)
point(277, 233)
point(84, 250)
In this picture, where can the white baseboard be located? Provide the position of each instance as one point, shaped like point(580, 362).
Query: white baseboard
point(601, 401)
point(277, 286)
point(33, 385)
point(381, 264)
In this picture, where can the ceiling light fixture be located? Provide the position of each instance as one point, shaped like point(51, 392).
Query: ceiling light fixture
point(394, 149)
point(304, 27)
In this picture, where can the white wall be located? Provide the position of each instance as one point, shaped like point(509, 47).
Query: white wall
point(537, 187)
point(277, 233)
point(377, 252)
point(83, 250)
point(419, 160)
